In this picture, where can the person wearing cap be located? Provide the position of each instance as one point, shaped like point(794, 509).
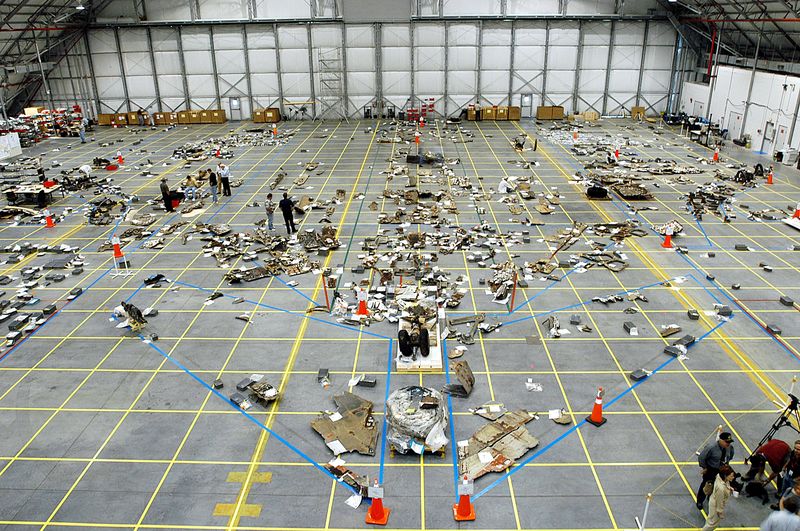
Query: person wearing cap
point(165, 196)
point(711, 459)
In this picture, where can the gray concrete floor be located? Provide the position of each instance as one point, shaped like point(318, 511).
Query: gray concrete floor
point(101, 430)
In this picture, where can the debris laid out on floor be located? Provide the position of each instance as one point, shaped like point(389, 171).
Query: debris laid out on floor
point(496, 446)
point(463, 375)
point(351, 428)
point(417, 420)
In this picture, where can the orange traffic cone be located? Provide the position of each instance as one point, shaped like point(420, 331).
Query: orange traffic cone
point(115, 242)
point(596, 417)
point(48, 220)
point(217, 153)
point(796, 214)
point(716, 154)
point(464, 510)
point(421, 121)
point(616, 153)
point(416, 137)
point(377, 514)
point(574, 135)
point(274, 131)
point(667, 243)
point(769, 176)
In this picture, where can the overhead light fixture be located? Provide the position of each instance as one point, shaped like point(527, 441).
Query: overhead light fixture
point(80, 7)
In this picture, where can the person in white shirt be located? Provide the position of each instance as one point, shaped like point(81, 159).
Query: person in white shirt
point(506, 186)
point(224, 173)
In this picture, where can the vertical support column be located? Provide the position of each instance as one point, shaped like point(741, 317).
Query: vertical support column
point(246, 51)
point(123, 76)
point(345, 95)
point(750, 87)
point(155, 72)
point(714, 72)
point(278, 67)
point(608, 66)
point(546, 54)
point(578, 63)
point(511, 60)
point(187, 101)
point(378, 38)
point(412, 51)
point(71, 80)
point(676, 59)
point(214, 66)
point(446, 69)
point(91, 72)
point(311, 72)
point(479, 77)
point(792, 128)
point(641, 62)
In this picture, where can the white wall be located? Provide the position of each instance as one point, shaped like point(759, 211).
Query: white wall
point(774, 98)
point(424, 59)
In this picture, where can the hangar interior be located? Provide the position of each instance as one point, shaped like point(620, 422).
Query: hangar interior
point(544, 253)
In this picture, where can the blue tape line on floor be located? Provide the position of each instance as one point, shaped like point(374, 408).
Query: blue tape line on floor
point(385, 426)
point(583, 303)
point(454, 446)
point(247, 415)
point(283, 310)
point(279, 279)
point(575, 428)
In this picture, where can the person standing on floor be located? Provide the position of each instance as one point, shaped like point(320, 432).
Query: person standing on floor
point(82, 132)
point(719, 497)
point(212, 184)
point(784, 520)
point(711, 459)
point(224, 178)
point(269, 204)
point(165, 196)
point(287, 206)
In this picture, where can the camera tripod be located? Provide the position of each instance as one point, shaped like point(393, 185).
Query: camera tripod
point(789, 412)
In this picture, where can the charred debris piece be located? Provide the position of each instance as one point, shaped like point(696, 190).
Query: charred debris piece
point(351, 428)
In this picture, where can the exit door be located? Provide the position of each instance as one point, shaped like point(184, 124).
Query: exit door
point(781, 138)
point(235, 108)
point(734, 125)
point(526, 105)
point(698, 109)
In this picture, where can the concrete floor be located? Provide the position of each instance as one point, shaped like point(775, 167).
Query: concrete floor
point(101, 430)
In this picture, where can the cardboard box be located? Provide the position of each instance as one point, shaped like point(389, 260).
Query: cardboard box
point(501, 113)
point(488, 113)
point(104, 119)
point(121, 119)
point(637, 113)
point(258, 116)
point(159, 118)
point(472, 115)
point(194, 117)
point(272, 115)
point(185, 117)
point(544, 113)
point(514, 113)
point(591, 116)
point(31, 111)
point(218, 116)
point(205, 117)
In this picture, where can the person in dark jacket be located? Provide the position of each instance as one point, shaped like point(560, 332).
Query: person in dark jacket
point(713, 456)
point(287, 206)
point(212, 184)
point(165, 196)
